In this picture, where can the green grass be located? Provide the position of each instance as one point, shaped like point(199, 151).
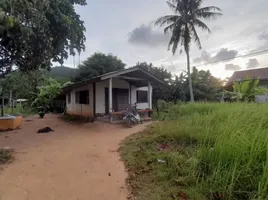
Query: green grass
point(211, 151)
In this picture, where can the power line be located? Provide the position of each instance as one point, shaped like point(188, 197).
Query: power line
point(231, 58)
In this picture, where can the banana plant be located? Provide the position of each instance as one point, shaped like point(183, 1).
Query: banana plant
point(247, 90)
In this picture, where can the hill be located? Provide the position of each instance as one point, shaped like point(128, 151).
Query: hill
point(62, 73)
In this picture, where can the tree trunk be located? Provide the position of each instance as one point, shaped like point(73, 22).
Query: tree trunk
point(189, 77)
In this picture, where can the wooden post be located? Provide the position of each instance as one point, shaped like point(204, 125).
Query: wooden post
point(149, 95)
point(94, 99)
point(111, 98)
point(129, 96)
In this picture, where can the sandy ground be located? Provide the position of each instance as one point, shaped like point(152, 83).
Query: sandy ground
point(76, 162)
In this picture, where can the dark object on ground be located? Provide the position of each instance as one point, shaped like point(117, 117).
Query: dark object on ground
point(41, 114)
point(100, 115)
point(109, 174)
point(6, 136)
point(28, 120)
point(6, 155)
point(45, 130)
point(77, 118)
point(41, 111)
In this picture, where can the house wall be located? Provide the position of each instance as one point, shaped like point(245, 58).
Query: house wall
point(100, 92)
point(134, 97)
point(85, 110)
point(262, 98)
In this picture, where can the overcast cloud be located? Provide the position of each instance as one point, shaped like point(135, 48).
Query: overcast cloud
point(232, 67)
point(124, 28)
point(223, 54)
point(145, 35)
point(252, 63)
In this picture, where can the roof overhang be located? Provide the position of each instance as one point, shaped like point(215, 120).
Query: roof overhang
point(136, 75)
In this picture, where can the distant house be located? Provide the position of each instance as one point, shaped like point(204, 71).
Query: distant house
point(259, 73)
point(111, 92)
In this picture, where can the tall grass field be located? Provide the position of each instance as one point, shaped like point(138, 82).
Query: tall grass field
point(201, 151)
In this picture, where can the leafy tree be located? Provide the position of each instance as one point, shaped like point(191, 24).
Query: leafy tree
point(182, 25)
point(176, 89)
point(179, 89)
point(34, 33)
point(47, 93)
point(98, 64)
point(205, 85)
point(159, 91)
point(22, 84)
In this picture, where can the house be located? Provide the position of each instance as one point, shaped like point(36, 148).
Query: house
point(111, 92)
point(259, 73)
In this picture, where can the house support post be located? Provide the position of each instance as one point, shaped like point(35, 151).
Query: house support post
point(111, 98)
point(94, 100)
point(149, 95)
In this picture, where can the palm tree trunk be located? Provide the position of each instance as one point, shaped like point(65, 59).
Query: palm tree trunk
point(189, 77)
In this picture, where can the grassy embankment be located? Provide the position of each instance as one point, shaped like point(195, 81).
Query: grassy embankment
point(201, 151)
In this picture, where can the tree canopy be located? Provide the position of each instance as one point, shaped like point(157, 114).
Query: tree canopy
point(35, 33)
point(23, 85)
point(206, 86)
point(98, 64)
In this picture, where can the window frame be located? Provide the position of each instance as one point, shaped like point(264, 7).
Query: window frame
point(82, 100)
point(137, 95)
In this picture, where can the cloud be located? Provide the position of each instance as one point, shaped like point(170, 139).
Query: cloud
point(252, 63)
point(146, 36)
point(264, 36)
point(232, 67)
point(205, 57)
point(224, 53)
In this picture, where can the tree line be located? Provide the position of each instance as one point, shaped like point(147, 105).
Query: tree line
point(206, 87)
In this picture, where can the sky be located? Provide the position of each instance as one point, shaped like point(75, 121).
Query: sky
point(126, 29)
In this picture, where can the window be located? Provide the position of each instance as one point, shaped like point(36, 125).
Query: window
point(69, 97)
point(82, 97)
point(142, 96)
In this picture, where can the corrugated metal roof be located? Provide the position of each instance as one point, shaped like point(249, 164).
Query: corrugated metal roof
point(258, 73)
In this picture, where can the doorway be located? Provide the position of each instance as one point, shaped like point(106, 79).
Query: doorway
point(120, 99)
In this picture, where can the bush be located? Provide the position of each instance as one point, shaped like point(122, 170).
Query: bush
point(215, 151)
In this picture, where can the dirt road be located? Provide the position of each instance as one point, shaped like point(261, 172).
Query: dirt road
point(76, 162)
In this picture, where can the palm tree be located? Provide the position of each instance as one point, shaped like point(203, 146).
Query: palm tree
point(182, 25)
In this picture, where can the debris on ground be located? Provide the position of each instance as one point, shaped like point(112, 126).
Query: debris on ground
point(6, 155)
point(109, 174)
point(163, 147)
point(161, 161)
point(45, 130)
point(183, 196)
